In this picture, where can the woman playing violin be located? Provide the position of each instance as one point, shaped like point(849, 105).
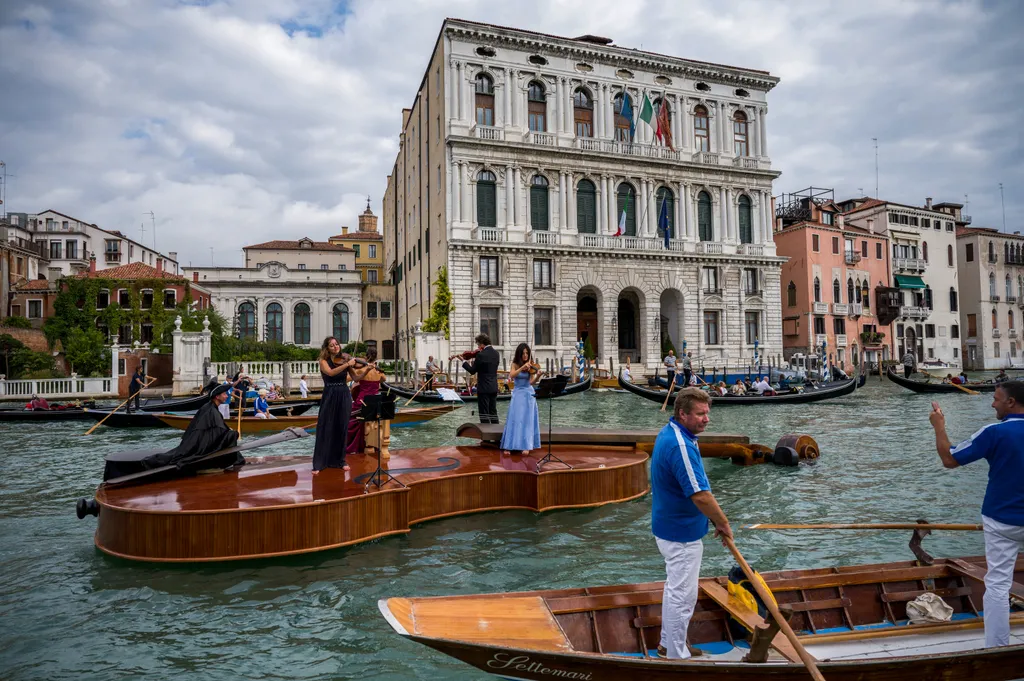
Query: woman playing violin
point(522, 426)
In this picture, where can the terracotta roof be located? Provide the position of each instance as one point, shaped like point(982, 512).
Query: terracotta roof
point(35, 285)
point(130, 272)
point(870, 203)
point(282, 245)
point(366, 236)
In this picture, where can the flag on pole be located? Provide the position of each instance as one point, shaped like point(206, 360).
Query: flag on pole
point(622, 218)
point(626, 111)
point(663, 221)
point(647, 110)
point(664, 130)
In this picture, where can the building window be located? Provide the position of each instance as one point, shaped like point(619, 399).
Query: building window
point(996, 348)
point(929, 331)
point(385, 309)
point(1009, 320)
point(583, 113)
point(817, 290)
point(751, 281)
point(275, 323)
point(626, 202)
point(371, 276)
point(246, 321)
point(102, 299)
point(709, 279)
point(969, 252)
point(35, 309)
point(1009, 287)
point(863, 249)
point(373, 247)
point(300, 324)
point(371, 309)
point(746, 226)
point(55, 250)
point(995, 319)
point(170, 299)
point(623, 129)
point(701, 129)
point(489, 271)
point(146, 333)
point(991, 251)
point(484, 100)
point(949, 255)
point(751, 321)
point(972, 326)
point(991, 285)
point(711, 327)
point(71, 249)
point(819, 325)
point(705, 227)
point(302, 265)
point(839, 325)
point(924, 250)
point(739, 134)
point(340, 322)
point(666, 201)
point(878, 251)
point(539, 203)
point(542, 273)
point(543, 323)
point(952, 299)
point(538, 107)
point(837, 291)
point(586, 207)
point(791, 295)
point(489, 323)
point(112, 249)
point(954, 331)
point(325, 267)
point(815, 243)
point(486, 199)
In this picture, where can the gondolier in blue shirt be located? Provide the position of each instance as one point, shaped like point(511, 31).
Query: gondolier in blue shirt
point(1002, 512)
point(682, 505)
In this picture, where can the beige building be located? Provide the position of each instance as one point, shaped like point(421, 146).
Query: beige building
point(368, 245)
point(991, 297)
point(304, 254)
point(379, 319)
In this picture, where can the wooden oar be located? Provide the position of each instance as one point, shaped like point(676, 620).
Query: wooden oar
point(671, 387)
point(769, 602)
point(866, 526)
point(416, 394)
point(89, 432)
point(241, 408)
point(955, 385)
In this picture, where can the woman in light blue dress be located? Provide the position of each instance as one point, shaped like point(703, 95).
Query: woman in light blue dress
point(522, 425)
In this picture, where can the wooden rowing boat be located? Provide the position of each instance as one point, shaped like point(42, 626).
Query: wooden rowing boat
point(432, 397)
point(46, 415)
point(852, 619)
point(251, 424)
point(825, 391)
point(120, 419)
point(926, 387)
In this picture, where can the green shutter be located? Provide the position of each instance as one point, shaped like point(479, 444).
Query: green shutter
point(746, 231)
point(486, 205)
point(704, 217)
point(539, 208)
point(586, 208)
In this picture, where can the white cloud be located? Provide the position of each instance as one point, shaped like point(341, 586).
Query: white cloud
point(238, 122)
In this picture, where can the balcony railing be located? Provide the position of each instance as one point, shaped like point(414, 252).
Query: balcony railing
point(993, 258)
point(487, 132)
point(820, 308)
point(994, 299)
point(490, 234)
point(996, 333)
point(856, 309)
point(1011, 299)
point(912, 264)
point(588, 144)
point(706, 158)
point(820, 339)
point(544, 139)
point(753, 292)
point(840, 340)
point(745, 162)
point(914, 312)
point(1012, 333)
point(112, 256)
point(750, 249)
point(840, 309)
point(712, 291)
point(544, 237)
point(708, 248)
point(852, 258)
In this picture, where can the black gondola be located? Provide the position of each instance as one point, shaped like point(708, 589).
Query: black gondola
point(809, 394)
point(43, 415)
point(181, 404)
point(925, 387)
point(663, 382)
point(432, 397)
point(119, 419)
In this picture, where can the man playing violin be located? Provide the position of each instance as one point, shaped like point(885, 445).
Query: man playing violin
point(484, 365)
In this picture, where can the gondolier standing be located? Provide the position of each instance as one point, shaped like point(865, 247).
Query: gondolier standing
point(1002, 512)
point(670, 366)
point(909, 363)
point(485, 366)
point(683, 504)
point(687, 363)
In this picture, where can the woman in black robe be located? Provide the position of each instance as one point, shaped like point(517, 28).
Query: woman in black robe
point(206, 433)
point(335, 409)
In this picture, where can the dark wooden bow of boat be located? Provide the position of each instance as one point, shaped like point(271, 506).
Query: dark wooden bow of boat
point(826, 391)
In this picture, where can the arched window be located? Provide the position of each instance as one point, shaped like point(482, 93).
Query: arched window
point(1009, 319)
point(739, 134)
point(995, 319)
point(991, 251)
point(246, 320)
point(300, 316)
point(857, 296)
point(1009, 286)
point(705, 228)
point(486, 199)
point(864, 296)
point(1006, 252)
point(817, 290)
point(953, 306)
point(583, 113)
point(746, 226)
point(275, 323)
point(701, 129)
point(991, 284)
point(791, 295)
point(626, 201)
point(539, 203)
point(949, 255)
point(586, 207)
point(668, 199)
point(924, 250)
point(484, 100)
point(850, 295)
point(340, 314)
point(623, 129)
point(1020, 288)
point(538, 105)
point(837, 292)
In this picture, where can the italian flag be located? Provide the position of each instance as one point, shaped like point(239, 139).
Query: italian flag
point(647, 111)
point(622, 218)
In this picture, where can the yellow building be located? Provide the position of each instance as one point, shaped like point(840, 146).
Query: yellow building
point(368, 244)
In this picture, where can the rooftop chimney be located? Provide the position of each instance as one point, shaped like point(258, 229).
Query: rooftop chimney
point(928, 202)
point(344, 230)
point(871, 225)
point(159, 264)
point(92, 263)
point(195, 277)
point(173, 255)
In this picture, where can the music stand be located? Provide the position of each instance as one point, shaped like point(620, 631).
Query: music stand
point(551, 388)
point(378, 408)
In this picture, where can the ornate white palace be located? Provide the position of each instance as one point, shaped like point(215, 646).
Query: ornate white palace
point(538, 166)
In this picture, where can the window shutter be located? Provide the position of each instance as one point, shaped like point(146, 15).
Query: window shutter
point(704, 217)
point(746, 232)
point(539, 208)
point(586, 211)
point(486, 205)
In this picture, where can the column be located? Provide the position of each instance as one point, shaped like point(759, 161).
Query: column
point(555, 112)
point(691, 211)
point(517, 196)
point(465, 192)
point(682, 219)
point(726, 130)
point(652, 208)
point(509, 210)
point(764, 130)
point(464, 90)
point(756, 218)
point(687, 126)
point(720, 234)
point(769, 216)
point(601, 205)
point(507, 103)
point(610, 206)
point(453, 89)
point(567, 125)
point(570, 200)
point(562, 206)
point(677, 126)
point(607, 115)
point(456, 193)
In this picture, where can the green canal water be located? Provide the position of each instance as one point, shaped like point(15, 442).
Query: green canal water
point(69, 612)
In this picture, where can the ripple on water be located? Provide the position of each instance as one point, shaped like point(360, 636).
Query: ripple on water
point(71, 613)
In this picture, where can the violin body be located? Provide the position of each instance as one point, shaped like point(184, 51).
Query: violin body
point(465, 356)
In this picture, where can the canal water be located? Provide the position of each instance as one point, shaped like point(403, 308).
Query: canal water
point(69, 612)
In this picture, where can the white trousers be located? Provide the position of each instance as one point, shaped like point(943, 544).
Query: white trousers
point(1002, 544)
point(682, 570)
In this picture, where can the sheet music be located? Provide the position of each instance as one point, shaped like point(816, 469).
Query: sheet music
point(449, 395)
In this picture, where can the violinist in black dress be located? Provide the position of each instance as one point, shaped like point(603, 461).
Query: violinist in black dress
point(335, 409)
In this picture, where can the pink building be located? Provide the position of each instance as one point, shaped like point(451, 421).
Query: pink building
point(828, 284)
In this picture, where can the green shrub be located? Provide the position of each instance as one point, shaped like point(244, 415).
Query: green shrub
point(16, 323)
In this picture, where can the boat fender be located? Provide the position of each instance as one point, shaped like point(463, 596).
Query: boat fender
point(86, 507)
point(740, 588)
point(785, 456)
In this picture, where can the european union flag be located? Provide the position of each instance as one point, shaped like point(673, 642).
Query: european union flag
point(663, 222)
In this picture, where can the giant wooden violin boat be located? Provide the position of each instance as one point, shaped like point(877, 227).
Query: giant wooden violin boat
point(852, 619)
point(251, 424)
point(825, 391)
point(926, 387)
point(433, 397)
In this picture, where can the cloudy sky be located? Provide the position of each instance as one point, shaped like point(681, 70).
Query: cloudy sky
point(245, 120)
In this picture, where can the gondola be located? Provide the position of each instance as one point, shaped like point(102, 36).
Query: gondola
point(663, 382)
point(852, 619)
point(46, 415)
point(181, 404)
point(120, 419)
point(925, 387)
point(432, 397)
point(251, 424)
point(825, 391)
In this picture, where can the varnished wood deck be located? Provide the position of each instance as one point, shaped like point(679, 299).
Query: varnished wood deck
point(277, 506)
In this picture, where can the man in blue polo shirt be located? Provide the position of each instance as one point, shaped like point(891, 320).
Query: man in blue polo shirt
point(682, 505)
point(1002, 512)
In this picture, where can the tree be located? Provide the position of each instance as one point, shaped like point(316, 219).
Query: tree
point(85, 352)
point(16, 323)
point(20, 360)
point(666, 345)
point(441, 310)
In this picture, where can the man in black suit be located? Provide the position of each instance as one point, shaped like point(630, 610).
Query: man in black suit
point(485, 366)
